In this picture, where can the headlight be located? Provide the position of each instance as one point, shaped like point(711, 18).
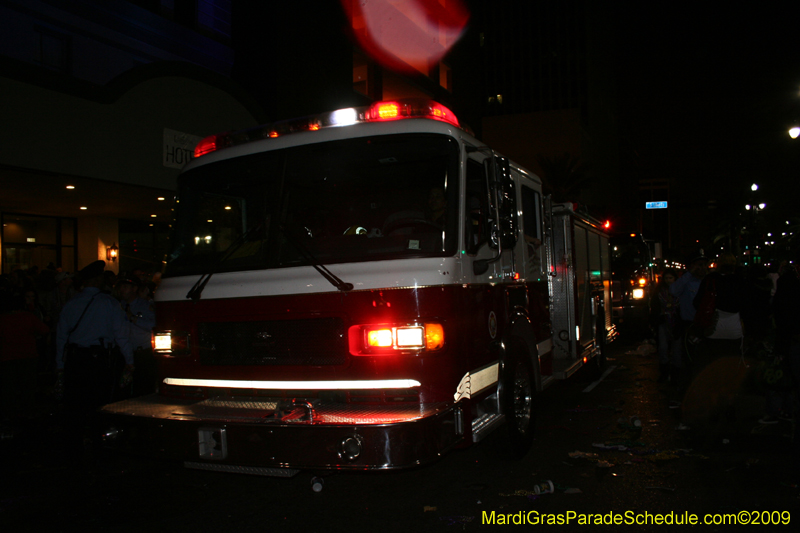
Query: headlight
point(170, 342)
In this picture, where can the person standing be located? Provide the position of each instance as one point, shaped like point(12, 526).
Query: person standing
point(19, 331)
point(141, 319)
point(718, 320)
point(92, 349)
point(665, 321)
point(781, 405)
point(53, 302)
point(685, 289)
point(55, 299)
point(727, 288)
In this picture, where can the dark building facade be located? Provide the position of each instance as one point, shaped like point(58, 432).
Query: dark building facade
point(103, 102)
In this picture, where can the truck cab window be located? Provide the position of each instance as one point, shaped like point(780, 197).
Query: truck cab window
point(531, 217)
point(477, 207)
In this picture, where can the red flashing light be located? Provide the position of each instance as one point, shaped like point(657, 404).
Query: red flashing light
point(411, 108)
point(387, 111)
point(206, 146)
point(377, 112)
point(607, 224)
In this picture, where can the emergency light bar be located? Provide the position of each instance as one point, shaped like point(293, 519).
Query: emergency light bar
point(377, 112)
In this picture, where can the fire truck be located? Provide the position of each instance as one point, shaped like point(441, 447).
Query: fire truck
point(365, 289)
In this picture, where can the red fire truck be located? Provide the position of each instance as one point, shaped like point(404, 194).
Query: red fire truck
point(364, 289)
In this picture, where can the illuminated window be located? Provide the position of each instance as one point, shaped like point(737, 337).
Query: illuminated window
point(445, 77)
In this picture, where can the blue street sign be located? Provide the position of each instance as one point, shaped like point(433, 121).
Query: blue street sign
point(655, 205)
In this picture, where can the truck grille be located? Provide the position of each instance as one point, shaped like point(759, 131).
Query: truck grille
point(312, 342)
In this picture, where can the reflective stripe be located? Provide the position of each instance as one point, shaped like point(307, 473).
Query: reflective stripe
point(291, 385)
point(473, 383)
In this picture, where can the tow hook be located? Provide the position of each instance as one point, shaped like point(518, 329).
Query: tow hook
point(288, 409)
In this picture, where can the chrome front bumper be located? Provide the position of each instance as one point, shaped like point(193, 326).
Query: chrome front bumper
point(256, 435)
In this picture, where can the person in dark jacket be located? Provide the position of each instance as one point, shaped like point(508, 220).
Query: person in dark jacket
point(786, 308)
point(756, 310)
point(665, 321)
point(726, 283)
point(724, 335)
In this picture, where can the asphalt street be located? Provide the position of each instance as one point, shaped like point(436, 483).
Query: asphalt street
point(622, 448)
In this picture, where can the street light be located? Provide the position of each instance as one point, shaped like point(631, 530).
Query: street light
point(754, 187)
point(794, 132)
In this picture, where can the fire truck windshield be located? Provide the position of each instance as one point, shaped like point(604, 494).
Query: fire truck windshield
point(362, 199)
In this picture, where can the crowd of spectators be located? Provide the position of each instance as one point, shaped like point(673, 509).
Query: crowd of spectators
point(31, 301)
point(753, 312)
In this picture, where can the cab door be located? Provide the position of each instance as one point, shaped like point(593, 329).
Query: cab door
point(491, 220)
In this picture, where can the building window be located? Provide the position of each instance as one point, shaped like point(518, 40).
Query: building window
point(445, 77)
point(37, 241)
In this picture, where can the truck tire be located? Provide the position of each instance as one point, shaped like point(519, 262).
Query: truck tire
point(519, 390)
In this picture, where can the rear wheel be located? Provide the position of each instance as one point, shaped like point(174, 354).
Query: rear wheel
point(519, 390)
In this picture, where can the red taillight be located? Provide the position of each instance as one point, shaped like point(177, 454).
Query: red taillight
point(389, 339)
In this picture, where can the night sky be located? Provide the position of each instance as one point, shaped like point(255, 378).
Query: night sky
point(706, 96)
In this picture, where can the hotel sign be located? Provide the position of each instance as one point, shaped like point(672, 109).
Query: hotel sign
point(178, 148)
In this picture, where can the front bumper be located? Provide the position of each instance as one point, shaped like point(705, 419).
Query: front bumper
point(257, 435)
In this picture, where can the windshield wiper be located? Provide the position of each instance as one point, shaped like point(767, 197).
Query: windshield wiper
point(332, 278)
point(195, 292)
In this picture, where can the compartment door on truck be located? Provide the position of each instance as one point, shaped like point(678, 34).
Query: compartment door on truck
point(533, 252)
